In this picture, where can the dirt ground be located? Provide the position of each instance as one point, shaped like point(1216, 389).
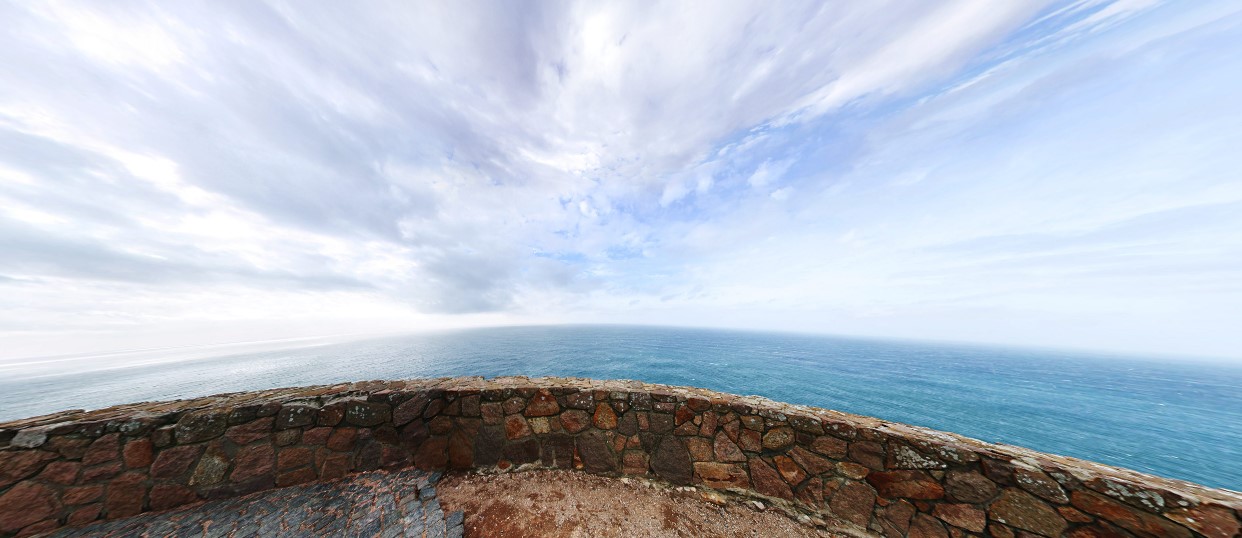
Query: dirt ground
point(569, 504)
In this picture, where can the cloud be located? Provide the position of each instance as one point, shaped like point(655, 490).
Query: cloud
point(507, 162)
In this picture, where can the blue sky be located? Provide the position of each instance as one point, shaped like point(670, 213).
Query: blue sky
point(1060, 174)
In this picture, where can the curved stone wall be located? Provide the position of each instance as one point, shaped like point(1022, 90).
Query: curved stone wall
point(862, 474)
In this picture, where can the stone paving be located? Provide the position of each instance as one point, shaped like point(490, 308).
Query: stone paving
point(377, 504)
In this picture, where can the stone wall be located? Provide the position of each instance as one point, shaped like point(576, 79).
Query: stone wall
point(865, 475)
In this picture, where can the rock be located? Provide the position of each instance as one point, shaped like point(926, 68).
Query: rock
point(726, 450)
point(522, 452)
point(1210, 521)
point(294, 416)
point(1020, 509)
point(707, 428)
point(210, 470)
point(138, 453)
point(811, 493)
point(175, 461)
point(125, 495)
point(969, 487)
point(100, 472)
point(342, 439)
point(749, 440)
point(516, 427)
point(721, 475)
point(852, 471)
point(868, 453)
point(853, 502)
point(1098, 530)
point(605, 418)
point(84, 515)
point(558, 451)
point(905, 457)
point(411, 409)
point(200, 426)
point(287, 437)
point(540, 425)
point(60, 472)
point(367, 414)
point(597, 456)
point(165, 496)
point(296, 476)
point(906, 483)
point(789, 470)
point(580, 400)
point(830, 446)
point(542, 404)
point(575, 420)
point(26, 503)
point(925, 526)
point(316, 436)
point(244, 434)
point(661, 423)
point(1130, 518)
point(29, 438)
point(1040, 484)
point(813, 464)
point(671, 461)
point(432, 454)
point(778, 438)
point(765, 480)
point(103, 450)
point(700, 449)
point(898, 515)
point(293, 457)
point(82, 494)
point(962, 515)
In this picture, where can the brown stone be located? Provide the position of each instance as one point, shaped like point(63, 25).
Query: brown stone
point(103, 450)
point(813, 464)
point(367, 414)
point(292, 457)
point(790, 470)
point(294, 416)
point(925, 526)
point(287, 437)
point(707, 427)
point(661, 423)
point(342, 439)
point(333, 466)
point(165, 496)
point(99, 472)
point(1073, 515)
point(516, 427)
point(433, 454)
point(410, 410)
point(211, 469)
point(18, 464)
point(60, 472)
point(316, 436)
point(199, 426)
point(575, 420)
point(1210, 521)
point(542, 404)
point(244, 434)
point(294, 477)
point(172, 462)
point(726, 450)
point(1040, 484)
point(767, 481)
point(853, 502)
point(597, 456)
point(1126, 517)
point(830, 446)
point(138, 453)
point(778, 438)
point(700, 449)
point(671, 461)
point(440, 425)
point(1098, 530)
point(749, 440)
point(969, 487)
point(82, 494)
point(84, 515)
point(460, 451)
point(605, 418)
point(514, 405)
point(253, 461)
point(682, 415)
point(125, 495)
point(898, 514)
point(868, 453)
point(909, 484)
point(1020, 509)
point(811, 493)
point(851, 470)
point(1000, 531)
point(721, 475)
point(962, 515)
point(634, 462)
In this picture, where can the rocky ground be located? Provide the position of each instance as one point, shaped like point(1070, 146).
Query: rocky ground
point(570, 504)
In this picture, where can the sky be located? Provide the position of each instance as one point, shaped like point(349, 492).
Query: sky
point(1053, 174)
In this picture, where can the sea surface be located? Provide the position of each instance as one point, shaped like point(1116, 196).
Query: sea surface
point(1169, 417)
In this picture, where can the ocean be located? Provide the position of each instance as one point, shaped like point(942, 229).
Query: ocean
point(1174, 418)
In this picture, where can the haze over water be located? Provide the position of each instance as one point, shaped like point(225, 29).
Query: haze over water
point(1176, 419)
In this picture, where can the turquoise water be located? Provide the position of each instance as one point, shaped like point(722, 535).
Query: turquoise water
point(1172, 418)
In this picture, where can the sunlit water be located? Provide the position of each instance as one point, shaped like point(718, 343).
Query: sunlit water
point(1180, 419)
